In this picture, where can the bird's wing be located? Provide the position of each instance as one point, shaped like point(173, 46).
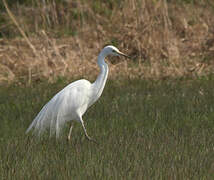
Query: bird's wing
point(62, 107)
point(47, 117)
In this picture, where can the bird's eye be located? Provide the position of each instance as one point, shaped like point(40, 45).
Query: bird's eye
point(113, 51)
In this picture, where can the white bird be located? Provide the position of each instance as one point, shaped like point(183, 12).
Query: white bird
point(72, 102)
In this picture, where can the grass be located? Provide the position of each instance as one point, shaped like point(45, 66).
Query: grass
point(146, 130)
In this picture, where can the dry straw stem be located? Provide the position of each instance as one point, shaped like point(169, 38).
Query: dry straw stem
point(19, 28)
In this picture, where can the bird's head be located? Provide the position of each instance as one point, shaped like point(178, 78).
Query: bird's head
point(111, 50)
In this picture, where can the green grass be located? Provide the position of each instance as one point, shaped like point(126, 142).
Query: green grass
point(145, 130)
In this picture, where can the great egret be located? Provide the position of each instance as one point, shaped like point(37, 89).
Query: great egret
point(73, 101)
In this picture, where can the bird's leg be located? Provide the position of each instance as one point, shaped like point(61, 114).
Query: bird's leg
point(86, 134)
point(69, 135)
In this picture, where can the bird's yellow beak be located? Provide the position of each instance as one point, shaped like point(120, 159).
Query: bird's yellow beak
point(122, 54)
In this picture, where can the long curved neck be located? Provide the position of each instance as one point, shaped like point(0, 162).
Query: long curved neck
point(100, 82)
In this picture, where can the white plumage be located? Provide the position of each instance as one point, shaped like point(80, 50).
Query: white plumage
point(73, 101)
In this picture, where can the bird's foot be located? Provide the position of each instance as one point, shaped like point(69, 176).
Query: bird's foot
point(90, 139)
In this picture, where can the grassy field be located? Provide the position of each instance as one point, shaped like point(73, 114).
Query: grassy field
point(145, 129)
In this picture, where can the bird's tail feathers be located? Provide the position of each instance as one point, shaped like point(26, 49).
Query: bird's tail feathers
point(31, 126)
point(36, 121)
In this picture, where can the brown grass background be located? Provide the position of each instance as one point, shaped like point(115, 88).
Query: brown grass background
point(47, 39)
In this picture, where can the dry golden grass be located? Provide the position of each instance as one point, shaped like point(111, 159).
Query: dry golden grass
point(164, 39)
